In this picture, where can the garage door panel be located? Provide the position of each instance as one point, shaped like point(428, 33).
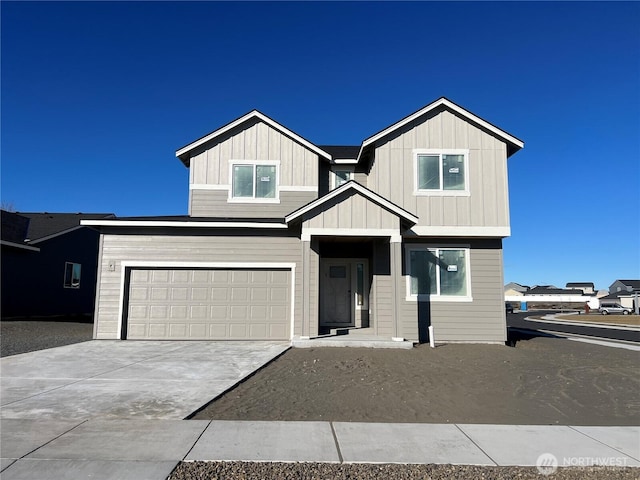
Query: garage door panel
point(209, 304)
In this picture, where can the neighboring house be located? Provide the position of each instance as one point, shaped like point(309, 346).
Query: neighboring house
point(587, 287)
point(515, 289)
point(288, 240)
point(625, 286)
point(49, 264)
point(624, 292)
point(551, 290)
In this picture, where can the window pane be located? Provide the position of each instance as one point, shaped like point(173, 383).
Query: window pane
point(453, 275)
point(342, 176)
point(423, 272)
point(75, 275)
point(428, 172)
point(243, 180)
point(265, 181)
point(453, 172)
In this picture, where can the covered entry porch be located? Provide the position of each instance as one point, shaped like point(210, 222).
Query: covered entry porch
point(352, 263)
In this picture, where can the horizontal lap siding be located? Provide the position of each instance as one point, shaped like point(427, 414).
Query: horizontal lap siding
point(184, 248)
point(482, 320)
point(214, 203)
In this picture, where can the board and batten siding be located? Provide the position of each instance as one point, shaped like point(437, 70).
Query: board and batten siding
point(482, 320)
point(392, 172)
point(210, 177)
point(190, 247)
point(351, 211)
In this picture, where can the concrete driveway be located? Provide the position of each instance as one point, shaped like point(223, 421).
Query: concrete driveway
point(126, 379)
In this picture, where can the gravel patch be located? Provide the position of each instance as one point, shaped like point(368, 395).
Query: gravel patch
point(21, 336)
point(329, 471)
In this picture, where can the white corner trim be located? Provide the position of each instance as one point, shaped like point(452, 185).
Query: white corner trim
point(282, 129)
point(459, 231)
point(180, 224)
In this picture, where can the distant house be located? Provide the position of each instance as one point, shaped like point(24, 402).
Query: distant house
point(587, 287)
point(623, 292)
point(625, 286)
point(513, 288)
point(551, 290)
point(49, 264)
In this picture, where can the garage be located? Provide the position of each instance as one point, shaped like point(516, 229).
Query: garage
point(208, 304)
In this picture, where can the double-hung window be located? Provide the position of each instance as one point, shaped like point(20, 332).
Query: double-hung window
point(441, 172)
point(254, 181)
point(438, 273)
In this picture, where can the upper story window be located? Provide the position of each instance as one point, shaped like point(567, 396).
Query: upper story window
point(438, 273)
point(254, 181)
point(441, 172)
point(341, 176)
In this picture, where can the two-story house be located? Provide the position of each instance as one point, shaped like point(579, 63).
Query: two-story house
point(288, 240)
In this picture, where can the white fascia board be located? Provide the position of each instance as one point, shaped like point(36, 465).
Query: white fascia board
point(374, 197)
point(244, 118)
point(456, 108)
point(19, 245)
point(345, 161)
point(463, 231)
point(187, 224)
point(53, 235)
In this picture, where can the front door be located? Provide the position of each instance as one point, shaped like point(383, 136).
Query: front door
point(336, 303)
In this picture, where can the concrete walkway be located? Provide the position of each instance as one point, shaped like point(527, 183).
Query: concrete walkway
point(150, 449)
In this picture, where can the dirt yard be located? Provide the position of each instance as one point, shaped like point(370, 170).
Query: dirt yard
point(539, 381)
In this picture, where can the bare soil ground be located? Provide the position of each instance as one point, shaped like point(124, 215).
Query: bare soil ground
point(21, 336)
point(539, 381)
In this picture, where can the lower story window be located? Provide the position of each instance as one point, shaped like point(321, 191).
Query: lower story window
point(437, 272)
point(72, 275)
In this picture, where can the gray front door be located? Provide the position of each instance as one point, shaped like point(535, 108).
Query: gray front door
point(336, 306)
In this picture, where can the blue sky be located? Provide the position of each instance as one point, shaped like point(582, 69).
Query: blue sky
point(97, 97)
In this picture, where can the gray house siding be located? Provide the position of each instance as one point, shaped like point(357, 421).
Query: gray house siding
point(192, 247)
point(252, 141)
point(481, 320)
point(392, 172)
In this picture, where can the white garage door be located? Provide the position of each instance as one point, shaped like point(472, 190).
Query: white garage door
point(209, 304)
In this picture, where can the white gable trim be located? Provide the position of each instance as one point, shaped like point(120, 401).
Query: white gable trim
point(244, 118)
point(19, 245)
point(452, 106)
point(374, 197)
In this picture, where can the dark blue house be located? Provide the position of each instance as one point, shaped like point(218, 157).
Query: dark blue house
point(49, 264)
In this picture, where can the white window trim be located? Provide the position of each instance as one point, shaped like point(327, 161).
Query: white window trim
point(441, 192)
point(437, 297)
point(341, 168)
point(64, 281)
point(272, 163)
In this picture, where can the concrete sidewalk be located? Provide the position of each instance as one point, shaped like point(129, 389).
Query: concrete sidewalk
point(150, 449)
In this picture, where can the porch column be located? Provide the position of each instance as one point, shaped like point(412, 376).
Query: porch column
point(306, 285)
point(395, 268)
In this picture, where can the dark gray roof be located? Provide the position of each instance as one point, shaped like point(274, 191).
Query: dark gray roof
point(14, 227)
point(187, 218)
point(342, 151)
point(553, 291)
point(635, 284)
point(45, 224)
point(580, 284)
